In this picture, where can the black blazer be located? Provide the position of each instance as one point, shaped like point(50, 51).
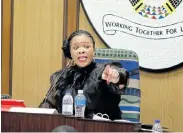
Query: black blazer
point(101, 97)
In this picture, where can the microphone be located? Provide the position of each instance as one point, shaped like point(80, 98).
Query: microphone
point(56, 83)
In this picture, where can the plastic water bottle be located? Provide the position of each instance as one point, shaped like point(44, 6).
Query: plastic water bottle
point(157, 127)
point(67, 104)
point(80, 104)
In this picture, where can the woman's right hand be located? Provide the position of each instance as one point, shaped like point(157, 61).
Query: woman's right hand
point(110, 75)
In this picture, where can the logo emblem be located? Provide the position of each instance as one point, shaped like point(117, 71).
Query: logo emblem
point(151, 28)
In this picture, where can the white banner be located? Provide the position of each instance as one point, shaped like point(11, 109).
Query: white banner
point(112, 24)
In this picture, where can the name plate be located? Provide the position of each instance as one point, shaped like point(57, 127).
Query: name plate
point(34, 110)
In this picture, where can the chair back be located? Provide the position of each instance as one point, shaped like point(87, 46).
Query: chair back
point(130, 99)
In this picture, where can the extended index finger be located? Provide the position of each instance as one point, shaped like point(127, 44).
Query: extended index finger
point(106, 70)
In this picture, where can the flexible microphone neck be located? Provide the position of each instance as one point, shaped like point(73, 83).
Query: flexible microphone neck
point(56, 83)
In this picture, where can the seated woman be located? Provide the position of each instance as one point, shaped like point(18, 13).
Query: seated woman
point(102, 84)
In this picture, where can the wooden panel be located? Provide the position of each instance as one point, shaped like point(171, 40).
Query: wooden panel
point(37, 42)
point(84, 24)
point(26, 122)
point(72, 14)
point(162, 98)
point(162, 94)
point(71, 21)
point(6, 36)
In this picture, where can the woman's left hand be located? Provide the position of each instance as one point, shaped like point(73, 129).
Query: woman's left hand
point(110, 75)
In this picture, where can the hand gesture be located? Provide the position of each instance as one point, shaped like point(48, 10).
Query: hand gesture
point(110, 75)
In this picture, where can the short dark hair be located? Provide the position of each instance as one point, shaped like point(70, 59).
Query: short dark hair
point(64, 128)
point(66, 43)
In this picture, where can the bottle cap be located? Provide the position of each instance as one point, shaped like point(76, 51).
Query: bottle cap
point(157, 121)
point(80, 91)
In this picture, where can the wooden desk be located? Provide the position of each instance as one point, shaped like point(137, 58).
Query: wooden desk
point(24, 122)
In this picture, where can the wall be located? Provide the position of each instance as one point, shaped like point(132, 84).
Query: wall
point(161, 93)
point(37, 41)
point(5, 45)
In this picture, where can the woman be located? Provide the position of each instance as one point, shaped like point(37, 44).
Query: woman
point(102, 84)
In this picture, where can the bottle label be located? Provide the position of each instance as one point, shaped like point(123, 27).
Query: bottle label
point(80, 102)
point(67, 109)
point(68, 101)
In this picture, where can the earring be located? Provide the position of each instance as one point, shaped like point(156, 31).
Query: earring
point(93, 59)
point(72, 63)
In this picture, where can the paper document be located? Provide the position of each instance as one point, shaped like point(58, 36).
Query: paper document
point(34, 110)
